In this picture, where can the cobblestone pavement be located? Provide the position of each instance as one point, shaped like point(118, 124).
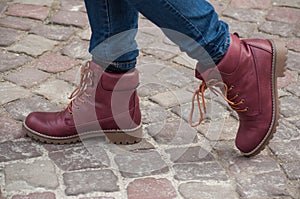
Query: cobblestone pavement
point(43, 43)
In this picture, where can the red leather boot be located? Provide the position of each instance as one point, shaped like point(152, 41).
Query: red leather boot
point(103, 104)
point(247, 76)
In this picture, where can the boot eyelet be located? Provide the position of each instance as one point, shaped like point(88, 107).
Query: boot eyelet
point(231, 87)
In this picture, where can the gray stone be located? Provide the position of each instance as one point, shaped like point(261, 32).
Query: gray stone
point(70, 18)
point(172, 98)
point(8, 36)
point(36, 2)
point(292, 170)
point(286, 151)
point(174, 132)
point(260, 164)
point(9, 129)
point(277, 28)
point(56, 90)
point(40, 173)
point(132, 165)
point(79, 158)
point(287, 3)
point(293, 61)
point(11, 60)
point(17, 23)
point(152, 113)
point(59, 33)
point(173, 77)
point(288, 106)
point(18, 150)
point(196, 190)
point(27, 77)
point(77, 49)
point(202, 171)
point(33, 45)
point(191, 154)
point(247, 15)
point(262, 185)
point(294, 89)
point(28, 10)
point(43, 195)
point(10, 92)
point(84, 182)
point(19, 109)
point(244, 29)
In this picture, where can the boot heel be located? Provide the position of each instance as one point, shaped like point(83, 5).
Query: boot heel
point(125, 137)
point(279, 57)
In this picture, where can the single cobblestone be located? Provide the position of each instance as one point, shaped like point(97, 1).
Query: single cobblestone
point(173, 132)
point(79, 158)
point(27, 77)
point(262, 185)
point(287, 3)
point(196, 190)
point(191, 154)
point(54, 63)
point(132, 165)
point(18, 150)
point(8, 36)
point(36, 2)
point(293, 61)
point(40, 173)
point(83, 182)
point(248, 4)
point(288, 106)
point(43, 195)
point(77, 49)
point(59, 33)
point(286, 151)
point(277, 28)
point(33, 45)
point(19, 109)
point(10, 92)
point(290, 77)
point(151, 188)
point(56, 90)
point(11, 60)
point(172, 98)
point(30, 11)
point(294, 45)
point(63, 17)
point(9, 129)
point(284, 14)
point(17, 23)
point(204, 171)
point(246, 15)
point(292, 170)
point(72, 5)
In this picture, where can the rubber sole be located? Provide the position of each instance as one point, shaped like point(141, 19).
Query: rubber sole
point(127, 136)
point(278, 69)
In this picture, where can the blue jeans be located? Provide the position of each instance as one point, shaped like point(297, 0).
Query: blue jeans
point(192, 24)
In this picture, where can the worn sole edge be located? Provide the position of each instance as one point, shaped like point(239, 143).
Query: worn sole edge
point(126, 136)
point(278, 68)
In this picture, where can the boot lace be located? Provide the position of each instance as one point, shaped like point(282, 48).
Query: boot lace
point(86, 75)
point(211, 84)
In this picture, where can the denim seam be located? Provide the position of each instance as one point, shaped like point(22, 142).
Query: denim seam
point(167, 3)
point(108, 26)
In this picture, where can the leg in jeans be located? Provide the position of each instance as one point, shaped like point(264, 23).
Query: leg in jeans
point(114, 25)
point(193, 25)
